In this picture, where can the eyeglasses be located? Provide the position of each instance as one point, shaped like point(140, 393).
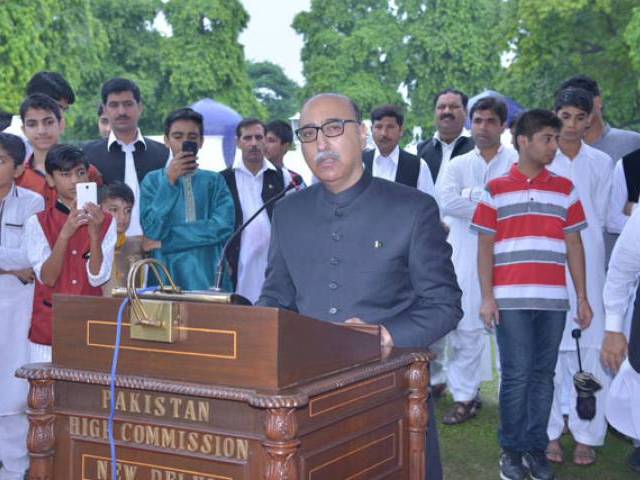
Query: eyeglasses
point(332, 128)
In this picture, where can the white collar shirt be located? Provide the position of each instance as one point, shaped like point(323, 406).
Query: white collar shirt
point(447, 151)
point(387, 168)
point(254, 243)
point(130, 178)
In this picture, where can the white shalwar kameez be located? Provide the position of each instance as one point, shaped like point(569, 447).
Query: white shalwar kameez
point(593, 184)
point(16, 302)
point(458, 193)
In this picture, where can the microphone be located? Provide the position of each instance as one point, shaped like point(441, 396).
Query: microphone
point(236, 234)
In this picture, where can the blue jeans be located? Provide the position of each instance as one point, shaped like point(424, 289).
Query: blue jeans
point(528, 341)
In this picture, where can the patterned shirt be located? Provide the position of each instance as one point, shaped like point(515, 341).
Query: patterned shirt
point(529, 219)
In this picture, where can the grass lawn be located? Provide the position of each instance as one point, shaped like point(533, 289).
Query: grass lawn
point(470, 451)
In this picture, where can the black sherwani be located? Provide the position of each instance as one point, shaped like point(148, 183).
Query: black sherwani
point(376, 251)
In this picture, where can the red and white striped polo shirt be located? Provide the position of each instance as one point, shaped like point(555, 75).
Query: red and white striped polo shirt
point(529, 218)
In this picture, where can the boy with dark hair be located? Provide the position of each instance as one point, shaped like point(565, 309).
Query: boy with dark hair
point(528, 223)
point(53, 85)
point(16, 299)
point(277, 142)
point(117, 200)
point(70, 249)
point(103, 122)
point(587, 168)
point(43, 124)
point(188, 213)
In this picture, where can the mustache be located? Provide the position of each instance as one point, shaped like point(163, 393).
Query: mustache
point(122, 117)
point(328, 155)
point(447, 115)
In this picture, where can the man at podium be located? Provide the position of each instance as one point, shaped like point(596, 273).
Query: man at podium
point(358, 249)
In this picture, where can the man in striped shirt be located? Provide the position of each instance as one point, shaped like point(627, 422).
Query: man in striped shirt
point(528, 225)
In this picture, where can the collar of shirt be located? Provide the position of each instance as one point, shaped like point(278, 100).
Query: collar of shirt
point(436, 137)
point(476, 150)
point(13, 192)
point(239, 166)
point(517, 175)
point(394, 156)
point(347, 196)
point(582, 152)
point(125, 146)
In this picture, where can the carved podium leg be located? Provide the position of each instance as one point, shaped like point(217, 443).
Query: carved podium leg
point(40, 439)
point(418, 377)
point(281, 445)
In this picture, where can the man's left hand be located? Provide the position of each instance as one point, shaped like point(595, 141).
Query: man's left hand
point(614, 350)
point(385, 336)
point(585, 314)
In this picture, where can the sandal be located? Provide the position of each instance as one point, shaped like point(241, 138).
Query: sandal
point(460, 412)
point(554, 452)
point(585, 456)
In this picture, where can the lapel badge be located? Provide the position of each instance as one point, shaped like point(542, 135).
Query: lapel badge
point(377, 244)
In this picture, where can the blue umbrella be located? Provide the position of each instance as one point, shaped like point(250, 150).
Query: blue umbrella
point(220, 120)
point(513, 108)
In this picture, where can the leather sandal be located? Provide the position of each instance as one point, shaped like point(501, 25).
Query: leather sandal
point(460, 413)
point(554, 452)
point(584, 457)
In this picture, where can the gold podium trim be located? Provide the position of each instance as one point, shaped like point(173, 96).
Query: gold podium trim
point(215, 476)
point(352, 400)
point(359, 449)
point(233, 333)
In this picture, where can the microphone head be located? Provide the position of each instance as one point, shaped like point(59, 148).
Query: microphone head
point(576, 333)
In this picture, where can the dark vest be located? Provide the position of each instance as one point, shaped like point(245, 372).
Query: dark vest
point(631, 167)
point(431, 152)
point(272, 185)
point(408, 167)
point(111, 163)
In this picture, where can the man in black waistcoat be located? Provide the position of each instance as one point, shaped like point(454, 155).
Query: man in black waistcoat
point(253, 181)
point(125, 155)
point(449, 140)
point(388, 160)
point(354, 248)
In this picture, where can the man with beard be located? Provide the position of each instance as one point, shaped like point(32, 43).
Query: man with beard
point(358, 249)
point(125, 155)
point(388, 160)
point(253, 180)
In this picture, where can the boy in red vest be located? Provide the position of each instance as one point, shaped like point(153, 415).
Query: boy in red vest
point(70, 249)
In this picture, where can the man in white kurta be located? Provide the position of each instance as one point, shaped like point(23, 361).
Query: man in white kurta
point(583, 165)
point(16, 299)
point(622, 340)
point(459, 190)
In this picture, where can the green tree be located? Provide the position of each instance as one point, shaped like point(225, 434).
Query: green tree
point(452, 44)
point(203, 57)
point(22, 47)
point(273, 89)
point(554, 40)
point(353, 47)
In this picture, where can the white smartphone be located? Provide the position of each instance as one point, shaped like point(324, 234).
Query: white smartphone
point(86, 192)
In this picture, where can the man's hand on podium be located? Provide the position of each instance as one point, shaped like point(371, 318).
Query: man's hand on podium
point(385, 336)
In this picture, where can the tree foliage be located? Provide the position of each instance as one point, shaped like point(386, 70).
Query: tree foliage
point(273, 89)
point(90, 41)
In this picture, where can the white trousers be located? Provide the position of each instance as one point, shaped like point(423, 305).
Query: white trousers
point(587, 432)
point(468, 363)
point(39, 353)
point(13, 446)
point(438, 367)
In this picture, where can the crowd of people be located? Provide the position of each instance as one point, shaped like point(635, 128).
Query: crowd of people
point(466, 241)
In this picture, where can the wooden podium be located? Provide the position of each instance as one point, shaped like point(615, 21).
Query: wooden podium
point(242, 393)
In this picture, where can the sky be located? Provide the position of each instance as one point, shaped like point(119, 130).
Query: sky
point(269, 35)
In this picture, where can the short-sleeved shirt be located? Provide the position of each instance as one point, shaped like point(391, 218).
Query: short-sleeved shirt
point(529, 219)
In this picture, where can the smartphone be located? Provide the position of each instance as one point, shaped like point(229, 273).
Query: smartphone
point(191, 147)
point(86, 192)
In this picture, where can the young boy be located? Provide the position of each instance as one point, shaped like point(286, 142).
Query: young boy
point(528, 225)
point(16, 299)
point(588, 170)
point(117, 200)
point(42, 124)
point(188, 213)
point(70, 249)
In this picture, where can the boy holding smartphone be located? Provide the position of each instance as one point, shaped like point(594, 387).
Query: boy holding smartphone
point(187, 214)
point(70, 249)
